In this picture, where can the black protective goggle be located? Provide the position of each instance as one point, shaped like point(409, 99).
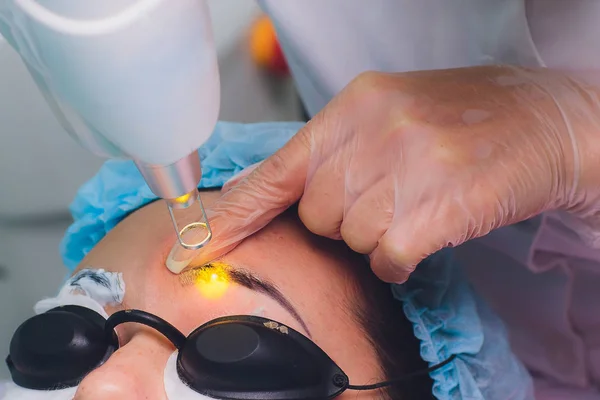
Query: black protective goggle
point(237, 357)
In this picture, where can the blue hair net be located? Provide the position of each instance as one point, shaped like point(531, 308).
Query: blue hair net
point(448, 318)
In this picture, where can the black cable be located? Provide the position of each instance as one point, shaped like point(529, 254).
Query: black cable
point(403, 378)
point(144, 318)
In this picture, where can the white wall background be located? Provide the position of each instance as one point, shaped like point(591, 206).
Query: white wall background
point(41, 167)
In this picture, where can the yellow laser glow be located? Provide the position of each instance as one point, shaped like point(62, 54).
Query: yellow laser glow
point(183, 199)
point(212, 281)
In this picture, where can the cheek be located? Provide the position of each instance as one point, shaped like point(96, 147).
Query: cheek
point(174, 388)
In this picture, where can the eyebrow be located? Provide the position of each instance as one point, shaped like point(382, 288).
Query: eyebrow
point(250, 281)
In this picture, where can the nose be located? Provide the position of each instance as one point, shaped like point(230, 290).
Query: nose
point(135, 371)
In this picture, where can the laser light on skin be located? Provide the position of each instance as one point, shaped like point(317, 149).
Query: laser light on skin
point(212, 281)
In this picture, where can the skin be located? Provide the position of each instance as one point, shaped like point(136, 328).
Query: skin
point(284, 253)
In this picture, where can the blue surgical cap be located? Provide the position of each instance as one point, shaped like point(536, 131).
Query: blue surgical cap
point(447, 316)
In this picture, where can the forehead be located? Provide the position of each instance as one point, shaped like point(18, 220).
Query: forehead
point(315, 273)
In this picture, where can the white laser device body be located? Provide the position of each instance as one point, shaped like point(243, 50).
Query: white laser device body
point(131, 79)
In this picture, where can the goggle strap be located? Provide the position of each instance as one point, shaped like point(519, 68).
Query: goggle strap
point(403, 378)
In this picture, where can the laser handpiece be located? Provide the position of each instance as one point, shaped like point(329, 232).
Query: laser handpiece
point(177, 184)
point(130, 79)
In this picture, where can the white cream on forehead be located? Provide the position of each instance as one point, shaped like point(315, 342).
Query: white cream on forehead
point(91, 288)
point(107, 288)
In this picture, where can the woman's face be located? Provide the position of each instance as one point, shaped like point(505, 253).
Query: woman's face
point(316, 277)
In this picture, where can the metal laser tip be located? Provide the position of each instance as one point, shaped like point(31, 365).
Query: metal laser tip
point(199, 227)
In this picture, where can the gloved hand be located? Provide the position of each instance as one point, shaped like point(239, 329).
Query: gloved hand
point(401, 165)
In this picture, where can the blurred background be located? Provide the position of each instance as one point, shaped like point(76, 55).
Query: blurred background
point(41, 167)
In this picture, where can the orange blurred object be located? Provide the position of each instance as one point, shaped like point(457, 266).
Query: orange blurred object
point(265, 48)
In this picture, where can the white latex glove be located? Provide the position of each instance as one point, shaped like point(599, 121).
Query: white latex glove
point(401, 165)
